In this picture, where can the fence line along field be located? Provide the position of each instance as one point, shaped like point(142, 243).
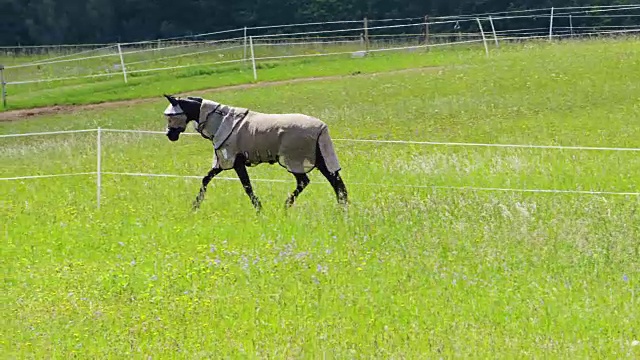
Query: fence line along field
point(79, 74)
point(403, 272)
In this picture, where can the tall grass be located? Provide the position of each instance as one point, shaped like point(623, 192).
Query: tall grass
point(404, 272)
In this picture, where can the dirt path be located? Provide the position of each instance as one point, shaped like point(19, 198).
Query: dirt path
point(22, 114)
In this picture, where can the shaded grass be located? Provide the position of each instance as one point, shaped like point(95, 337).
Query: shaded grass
point(405, 272)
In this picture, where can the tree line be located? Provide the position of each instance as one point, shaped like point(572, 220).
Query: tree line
point(34, 22)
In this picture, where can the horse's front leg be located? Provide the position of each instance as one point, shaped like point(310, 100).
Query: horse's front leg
point(241, 170)
point(302, 182)
point(203, 189)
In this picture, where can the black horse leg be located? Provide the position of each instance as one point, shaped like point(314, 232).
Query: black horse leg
point(241, 170)
point(334, 178)
point(303, 181)
point(338, 185)
point(203, 189)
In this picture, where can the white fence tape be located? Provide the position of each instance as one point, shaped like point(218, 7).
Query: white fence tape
point(48, 133)
point(45, 61)
point(561, 11)
point(62, 78)
point(60, 61)
point(197, 43)
point(514, 190)
point(286, 40)
point(198, 177)
point(569, 10)
point(30, 177)
point(99, 171)
point(374, 141)
point(433, 187)
point(575, 9)
point(129, 63)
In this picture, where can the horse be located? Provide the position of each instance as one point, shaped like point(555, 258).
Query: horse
point(245, 138)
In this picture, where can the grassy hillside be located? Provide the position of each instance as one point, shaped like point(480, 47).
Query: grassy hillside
point(151, 76)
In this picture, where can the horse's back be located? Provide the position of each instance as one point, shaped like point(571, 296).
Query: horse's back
point(284, 122)
point(293, 138)
point(288, 133)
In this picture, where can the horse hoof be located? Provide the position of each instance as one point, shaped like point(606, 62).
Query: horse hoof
point(288, 203)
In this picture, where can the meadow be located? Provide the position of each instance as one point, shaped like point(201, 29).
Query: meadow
point(418, 266)
point(96, 76)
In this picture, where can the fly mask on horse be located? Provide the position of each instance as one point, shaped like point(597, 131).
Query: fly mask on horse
point(243, 137)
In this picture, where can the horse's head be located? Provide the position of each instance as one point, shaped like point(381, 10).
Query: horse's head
point(179, 113)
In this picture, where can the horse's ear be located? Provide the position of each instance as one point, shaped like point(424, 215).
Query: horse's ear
point(172, 100)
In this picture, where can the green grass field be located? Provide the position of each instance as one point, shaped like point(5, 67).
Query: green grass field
point(211, 70)
point(405, 272)
point(60, 76)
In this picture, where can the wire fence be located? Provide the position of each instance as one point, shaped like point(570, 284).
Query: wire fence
point(255, 30)
point(100, 172)
point(244, 49)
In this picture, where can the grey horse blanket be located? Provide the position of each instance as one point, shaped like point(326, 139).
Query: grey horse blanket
point(289, 139)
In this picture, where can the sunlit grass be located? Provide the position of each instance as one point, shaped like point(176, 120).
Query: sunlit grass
point(213, 72)
point(407, 271)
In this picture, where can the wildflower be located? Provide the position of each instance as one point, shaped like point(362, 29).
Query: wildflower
point(322, 269)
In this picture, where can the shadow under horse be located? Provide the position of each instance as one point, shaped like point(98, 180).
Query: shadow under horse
point(243, 137)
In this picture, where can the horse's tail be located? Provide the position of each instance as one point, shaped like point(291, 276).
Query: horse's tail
point(327, 151)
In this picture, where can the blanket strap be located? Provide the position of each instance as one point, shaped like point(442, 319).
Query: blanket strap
point(201, 126)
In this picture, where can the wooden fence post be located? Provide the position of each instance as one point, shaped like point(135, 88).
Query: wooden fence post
point(426, 31)
point(3, 87)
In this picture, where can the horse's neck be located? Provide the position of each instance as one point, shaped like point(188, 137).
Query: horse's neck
point(210, 125)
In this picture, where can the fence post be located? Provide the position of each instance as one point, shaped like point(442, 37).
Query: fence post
point(571, 25)
point(366, 34)
point(245, 44)
point(493, 29)
point(3, 87)
point(426, 31)
point(99, 166)
point(457, 28)
point(484, 39)
point(124, 70)
point(551, 26)
point(253, 59)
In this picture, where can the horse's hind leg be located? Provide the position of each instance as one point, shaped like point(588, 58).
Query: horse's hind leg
point(334, 178)
point(338, 185)
point(303, 181)
point(241, 170)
